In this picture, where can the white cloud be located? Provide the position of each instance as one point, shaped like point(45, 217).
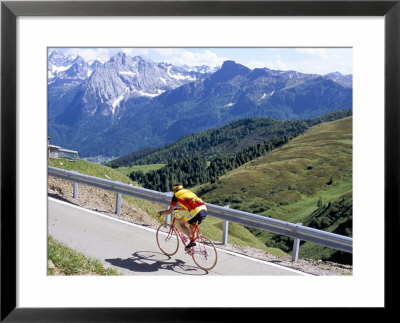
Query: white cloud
point(275, 64)
point(135, 51)
point(101, 54)
point(326, 60)
point(320, 52)
point(311, 61)
point(181, 57)
point(306, 60)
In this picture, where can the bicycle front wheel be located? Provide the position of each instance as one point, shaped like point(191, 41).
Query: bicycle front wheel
point(167, 239)
point(204, 254)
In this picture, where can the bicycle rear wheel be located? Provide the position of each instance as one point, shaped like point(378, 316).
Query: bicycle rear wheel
point(167, 239)
point(204, 254)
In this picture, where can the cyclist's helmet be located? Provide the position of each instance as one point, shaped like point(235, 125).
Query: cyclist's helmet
point(177, 187)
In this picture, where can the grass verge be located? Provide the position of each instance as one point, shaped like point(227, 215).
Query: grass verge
point(69, 262)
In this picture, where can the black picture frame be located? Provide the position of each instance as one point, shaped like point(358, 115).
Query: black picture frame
point(10, 10)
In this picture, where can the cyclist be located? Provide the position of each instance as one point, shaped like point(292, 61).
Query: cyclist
point(197, 211)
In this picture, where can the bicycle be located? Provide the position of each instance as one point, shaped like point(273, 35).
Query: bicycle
point(204, 253)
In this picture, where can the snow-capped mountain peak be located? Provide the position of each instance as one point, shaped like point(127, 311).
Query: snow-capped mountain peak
point(119, 79)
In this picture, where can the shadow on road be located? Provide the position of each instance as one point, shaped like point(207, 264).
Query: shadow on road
point(150, 261)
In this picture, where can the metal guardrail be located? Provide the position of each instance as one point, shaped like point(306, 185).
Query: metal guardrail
point(295, 231)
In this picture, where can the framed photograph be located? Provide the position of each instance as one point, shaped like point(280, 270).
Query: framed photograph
point(30, 28)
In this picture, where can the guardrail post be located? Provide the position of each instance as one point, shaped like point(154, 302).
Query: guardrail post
point(296, 247)
point(76, 188)
point(225, 230)
point(118, 204)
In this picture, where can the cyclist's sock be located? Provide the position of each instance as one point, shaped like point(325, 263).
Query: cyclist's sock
point(185, 238)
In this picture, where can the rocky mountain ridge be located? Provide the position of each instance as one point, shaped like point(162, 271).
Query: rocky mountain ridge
point(131, 103)
point(119, 79)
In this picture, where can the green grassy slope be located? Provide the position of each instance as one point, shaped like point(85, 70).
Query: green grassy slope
point(293, 181)
point(336, 217)
point(317, 163)
point(89, 168)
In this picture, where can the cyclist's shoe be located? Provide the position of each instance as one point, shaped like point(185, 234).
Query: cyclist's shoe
point(190, 245)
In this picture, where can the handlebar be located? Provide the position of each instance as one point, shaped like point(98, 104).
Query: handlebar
point(173, 213)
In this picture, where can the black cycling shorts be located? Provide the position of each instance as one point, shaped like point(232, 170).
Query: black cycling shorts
point(199, 217)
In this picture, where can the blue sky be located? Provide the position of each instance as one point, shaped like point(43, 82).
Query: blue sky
point(305, 60)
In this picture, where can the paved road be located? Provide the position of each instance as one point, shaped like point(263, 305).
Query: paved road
point(132, 249)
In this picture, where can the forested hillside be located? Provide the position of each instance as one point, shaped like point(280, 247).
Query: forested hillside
point(227, 140)
point(205, 156)
point(309, 180)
